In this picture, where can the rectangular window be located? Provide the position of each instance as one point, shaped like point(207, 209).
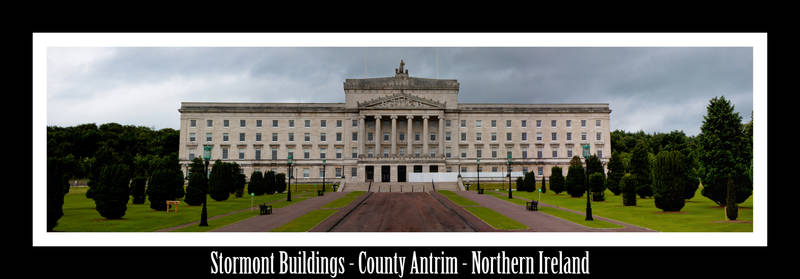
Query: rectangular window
point(555, 153)
point(306, 153)
point(478, 152)
point(447, 152)
point(508, 153)
point(583, 136)
point(416, 137)
point(417, 151)
point(291, 136)
point(338, 172)
point(494, 136)
point(524, 123)
point(402, 136)
point(258, 154)
point(554, 136)
point(599, 153)
point(463, 123)
point(433, 136)
point(241, 154)
point(191, 137)
point(208, 137)
point(258, 136)
point(191, 155)
point(291, 123)
point(538, 123)
point(494, 169)
point(508, 136)
point(274, 154)
point(323, 123)
point(463, 136)
point(307, 137)
point(274, 137)
point(338, 136)
point(274, 123)
point(599, 135)
point(478, 136)
point(209, 123)
point(323, 153)
point(355, 123)
point(193, 123)
point(225, 123)
point(370, 152)
point(323, 137)
point(447, 123)
point(508, 123)
point(569, 135)
point(321, 172)
point(402, 151)
point(463, 153)
point(338, 153)
point(539, 153)
point(307, 123)
point(447, 136)
point(539, 136)
point(494, 152)
point(258, 123)
point(242, 123)
point(290, 153)
point(224, 153)
point(306, 173)
point(524, 154)
point(353, 172)
point(355, 136)
point(553, 123)
point(569, 153)
point(597, 123)
point(385, 137)
point(241, 136)
point(369, 136)
point(355, 152)
point(463, 169)
point(583, 123)
point(494, 123)
point(524, 136)
point(477, 123)
point(225, 137)
point(540, 170)
point(385, 152)
point(338, 123)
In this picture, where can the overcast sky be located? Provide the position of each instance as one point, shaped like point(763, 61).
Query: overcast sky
point(649, 89)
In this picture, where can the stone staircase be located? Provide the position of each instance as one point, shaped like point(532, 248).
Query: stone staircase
point(400, 186)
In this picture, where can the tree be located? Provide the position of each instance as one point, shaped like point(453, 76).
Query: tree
point(111, 191)
point(239, 180)
point(529, 181)
point(628, 185)
point(576, 179)
point(257, 184)
point(594, 165)
point(220, 181)
point(166, 184)
point(544, 184)
point(520, 184)
point(198, 183)
point(723, 151)
point(731, 210)
point(271, 183)
point(280, 182)
point(556, 180)
point(138, 185)
point(57, 180)
point(597, 184)
point(640, 168)
point(615, 172)
point(670, 179)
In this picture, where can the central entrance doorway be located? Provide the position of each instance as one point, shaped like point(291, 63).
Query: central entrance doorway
point(401, 173)
point(370, 170)
point(385, 175)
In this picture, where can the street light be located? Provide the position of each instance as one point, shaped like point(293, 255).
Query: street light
point(509, 176)
point(323, 175)
point(479, 175)
point(289, 193)
point(588, 192)
point(204, 212)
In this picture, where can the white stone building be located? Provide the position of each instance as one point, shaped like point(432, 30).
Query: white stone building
point(390, 127)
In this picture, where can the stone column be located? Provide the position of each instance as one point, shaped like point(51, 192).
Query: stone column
point(409, 137)
point(441, 136)
point(362, 135)
point(394, 135)
point(378, 136)
point(425, 135)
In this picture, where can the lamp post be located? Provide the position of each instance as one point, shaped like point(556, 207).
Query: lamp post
point(289, 187)
point(509, 176)
point(204, 212)
point(323, 175)
point(479, 175)
point(588, 192)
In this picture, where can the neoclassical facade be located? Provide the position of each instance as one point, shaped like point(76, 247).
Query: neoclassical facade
point(390, 127)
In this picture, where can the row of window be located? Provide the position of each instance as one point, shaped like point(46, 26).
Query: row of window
point(324, 123)
point(401, 136)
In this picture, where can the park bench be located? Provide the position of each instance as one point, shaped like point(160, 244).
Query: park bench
point(320, 193)
point(480, 191)
point(265, 209)
point(532, 205)
point(175, 203)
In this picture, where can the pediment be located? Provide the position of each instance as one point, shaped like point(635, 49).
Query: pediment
point(401, 101)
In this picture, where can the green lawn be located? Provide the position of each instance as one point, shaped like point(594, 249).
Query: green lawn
point(569, 216)
point(80, 214)
point(492, 185)
point(494, 219)
point(699, 214)
point(459, 200)
point(311, 219)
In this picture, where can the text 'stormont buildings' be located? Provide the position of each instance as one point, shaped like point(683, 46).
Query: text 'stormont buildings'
point(390, 127)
